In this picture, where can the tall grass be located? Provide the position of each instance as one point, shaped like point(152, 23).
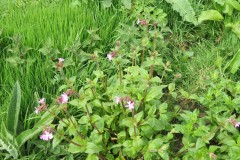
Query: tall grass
point(36, 22)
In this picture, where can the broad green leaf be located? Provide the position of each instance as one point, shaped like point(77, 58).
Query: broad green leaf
point(93, 148)
point(13, 109)
point(184, 8)
point(127, 122)
point(8, 142)
point(154, 92)
point(235, 28)
point(235, 63)
point(73, 148)
point(75, 102)
point(234, 4)
point(213, 15)
point(92, 157)
point(127, 3)
point(171, 87)
point(47, 119)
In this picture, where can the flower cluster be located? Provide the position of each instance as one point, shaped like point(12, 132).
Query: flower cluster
point(41, 107)
point(129, 102)
point(63, 99)
point(47, 134)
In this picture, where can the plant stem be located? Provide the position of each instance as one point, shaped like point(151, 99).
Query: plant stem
point(56, 116)
point(90, 120)
point(120, 73)
point(134, 127)
point(69, 140)
point(80, 134)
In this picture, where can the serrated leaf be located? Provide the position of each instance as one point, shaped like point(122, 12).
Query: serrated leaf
point(13, 109)
point(184, 8)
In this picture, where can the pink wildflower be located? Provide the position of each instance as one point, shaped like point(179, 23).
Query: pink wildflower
point(111, 55)
point(41, 107)
point(60, 60)
point(130, 105)
point(36, 110)
point(141, 22)
point(237, 124)
point(212, 155)
point(234, 122)
point(60, 63)
point(63, 98)
point(46, 135)
point(42, 101)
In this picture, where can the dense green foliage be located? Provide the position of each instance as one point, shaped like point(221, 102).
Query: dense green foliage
point(139, 79)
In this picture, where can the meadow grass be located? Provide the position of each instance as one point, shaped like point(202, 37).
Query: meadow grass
point(35, 23)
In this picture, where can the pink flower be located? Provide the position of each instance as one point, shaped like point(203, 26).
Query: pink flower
point(237, 124)
point(110, 57)
point(118, 99)
point(60, 60)
point(130, 105)
point(47, 135)
point(63, 98)
point(42, 101)
point(234, 122)
point(41, 107)
point(36, 110)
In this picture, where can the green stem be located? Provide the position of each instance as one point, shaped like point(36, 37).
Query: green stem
point(69, 140)
point(90, 120)
point(80, 134)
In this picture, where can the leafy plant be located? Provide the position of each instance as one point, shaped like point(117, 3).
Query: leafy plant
point(184, 8)
point(10, 140)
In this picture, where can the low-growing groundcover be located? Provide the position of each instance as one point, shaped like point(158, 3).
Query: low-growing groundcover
point(132, 105)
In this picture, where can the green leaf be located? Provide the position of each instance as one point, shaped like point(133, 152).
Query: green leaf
point(127, 3)
point(213, 15)
point(127, 122)
point(235, 27)
point(73, 148)
point(47, 119)
point(13, 109)
point(235, 63)
point(75, 102)
point(184, 8)
point(199, 144)
point(92, 157)
point(8, 142)
point(171, 87)
point(154, 92)
point(234, 4)
point(107, 3)
point(93, 148)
